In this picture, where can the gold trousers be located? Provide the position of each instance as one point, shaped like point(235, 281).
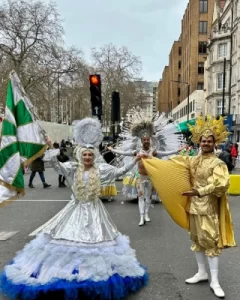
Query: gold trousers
point(204, 232)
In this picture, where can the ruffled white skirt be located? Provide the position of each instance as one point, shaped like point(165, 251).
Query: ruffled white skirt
point(78, 252)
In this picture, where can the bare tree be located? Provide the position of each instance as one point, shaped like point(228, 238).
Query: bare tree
point(31, 43)
point(27, 28)
point(119, 68)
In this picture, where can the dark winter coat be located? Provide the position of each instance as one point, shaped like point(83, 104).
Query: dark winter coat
point(227, 158)
point(62, 157)
point(37, 165)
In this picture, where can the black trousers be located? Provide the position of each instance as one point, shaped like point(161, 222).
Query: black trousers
point(61, 179)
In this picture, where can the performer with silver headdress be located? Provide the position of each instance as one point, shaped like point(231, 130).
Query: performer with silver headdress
point(79, 251)
point(108, 187)
point(147, 137)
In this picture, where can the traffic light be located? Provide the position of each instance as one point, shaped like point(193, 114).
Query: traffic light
point(96, 95)
point(115, 107)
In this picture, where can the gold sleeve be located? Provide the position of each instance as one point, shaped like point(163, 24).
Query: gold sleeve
point(218, 183)
point(181, 160)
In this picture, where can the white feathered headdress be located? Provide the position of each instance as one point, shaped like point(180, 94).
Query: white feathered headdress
point(87, 132)
point(161, 129)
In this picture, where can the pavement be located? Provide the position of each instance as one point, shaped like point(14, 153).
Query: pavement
point(161, 245)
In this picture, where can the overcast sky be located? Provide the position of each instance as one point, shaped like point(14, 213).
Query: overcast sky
point(147, 27)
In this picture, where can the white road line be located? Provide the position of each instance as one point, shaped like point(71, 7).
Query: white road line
point(42, 200)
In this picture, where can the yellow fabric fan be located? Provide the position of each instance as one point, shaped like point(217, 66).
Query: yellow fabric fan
point(161, 173)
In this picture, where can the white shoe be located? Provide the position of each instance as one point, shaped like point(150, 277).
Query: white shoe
point(217, 290)
point(146, 217)
point(197, 278)
point(142, 221)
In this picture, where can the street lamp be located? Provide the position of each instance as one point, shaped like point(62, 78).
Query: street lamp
point(58, 84)
point(182, 82)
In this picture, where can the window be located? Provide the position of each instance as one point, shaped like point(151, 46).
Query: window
point(193, 105)
point(179, 91)
point(220, 81)
point(203, 6)
point(179, 78)
point(219, 107)
point(202, 27)
point(190, 107)
point(200, 86)
point(179, 64)
point(179, 50)
point(202, 47)
point(200, 68)
point(222, 50)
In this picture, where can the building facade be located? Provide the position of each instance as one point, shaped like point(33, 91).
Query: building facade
point(217, 65)
point(196, 27)
point(223, 64)
point(196, 107)
point(155, 99)
point(188, 55)
point(163, 92)
point(150, 91)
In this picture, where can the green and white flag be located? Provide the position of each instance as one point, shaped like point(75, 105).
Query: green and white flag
point(22, 141)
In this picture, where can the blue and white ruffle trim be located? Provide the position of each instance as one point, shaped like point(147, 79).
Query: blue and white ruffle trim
point(115, 288)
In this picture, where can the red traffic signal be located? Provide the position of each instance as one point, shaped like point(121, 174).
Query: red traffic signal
point(96, 95)
point(95, 79)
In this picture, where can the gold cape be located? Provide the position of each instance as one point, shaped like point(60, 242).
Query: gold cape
point(170, 180)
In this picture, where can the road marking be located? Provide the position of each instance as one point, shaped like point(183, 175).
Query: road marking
point(42, 200)
point(5, 235)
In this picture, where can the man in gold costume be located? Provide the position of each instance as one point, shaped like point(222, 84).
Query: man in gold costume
point(210, 182)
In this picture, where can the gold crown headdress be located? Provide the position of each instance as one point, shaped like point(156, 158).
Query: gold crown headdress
point(206, 126)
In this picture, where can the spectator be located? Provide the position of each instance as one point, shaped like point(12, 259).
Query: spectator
point(62, 157)
point(63, 144)
point(217, 150)
point(38, 166)
point(187, 151)
point(108, 155)
point(227, 158)
point(234, 153)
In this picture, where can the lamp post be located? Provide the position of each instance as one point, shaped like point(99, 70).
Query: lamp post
point(58, 89)
point(188, 95)
point(223, 91)
point(58, 97)
point(58, 56)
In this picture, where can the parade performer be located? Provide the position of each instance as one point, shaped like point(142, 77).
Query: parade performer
point(79, 251)
point(108, 187)
point(146, 137)
point(209, 218)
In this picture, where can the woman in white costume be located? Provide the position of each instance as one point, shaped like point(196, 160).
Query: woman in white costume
point(79, 251)
point(108, 187)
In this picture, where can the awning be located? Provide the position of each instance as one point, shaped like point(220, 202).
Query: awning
point(183, 125)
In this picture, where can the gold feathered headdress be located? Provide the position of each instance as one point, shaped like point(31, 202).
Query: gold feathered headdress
point(206, 126)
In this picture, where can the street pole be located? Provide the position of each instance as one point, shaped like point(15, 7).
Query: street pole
point(58, 99)
point(188, 102)
point(224, 80)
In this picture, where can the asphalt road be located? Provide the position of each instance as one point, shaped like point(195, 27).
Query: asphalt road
point(161, 245)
